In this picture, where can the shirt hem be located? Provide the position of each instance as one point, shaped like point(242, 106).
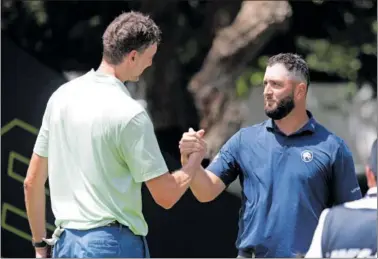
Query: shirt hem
point(40, 153)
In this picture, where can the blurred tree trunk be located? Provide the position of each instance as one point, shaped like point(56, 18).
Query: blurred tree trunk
point(164, 84)
point(169, 103)
point(233, 47)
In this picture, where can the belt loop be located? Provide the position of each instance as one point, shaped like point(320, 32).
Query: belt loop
point(246, 253)
point(120, 227)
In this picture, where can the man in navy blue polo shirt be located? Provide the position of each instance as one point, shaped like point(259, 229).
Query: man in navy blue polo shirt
point(290, 167)
point(350, 230)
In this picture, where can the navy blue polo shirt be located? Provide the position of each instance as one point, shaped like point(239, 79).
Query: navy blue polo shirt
point(286, 182)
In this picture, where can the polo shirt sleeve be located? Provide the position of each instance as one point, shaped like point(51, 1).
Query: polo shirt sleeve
point(224, 164)
point(140, 149)
point(41, 146)
point(345, 185)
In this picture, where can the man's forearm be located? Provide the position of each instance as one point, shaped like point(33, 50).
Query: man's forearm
point(168, 188)
point(34, 189)
point(35, 203)
point(206, 186)
point(182, 180)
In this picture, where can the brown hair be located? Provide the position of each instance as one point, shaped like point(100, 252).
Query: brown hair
point(129, 31)
point(293, 63)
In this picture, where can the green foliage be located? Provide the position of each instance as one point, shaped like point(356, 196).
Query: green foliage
point(252, 77)
point(37, 9)
point(349, 40)
point(339, 59)
point(242, 86)
point(331, 58)
point(188, 51)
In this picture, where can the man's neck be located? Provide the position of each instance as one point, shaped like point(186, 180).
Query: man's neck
point(109, 69)
point(293, 121)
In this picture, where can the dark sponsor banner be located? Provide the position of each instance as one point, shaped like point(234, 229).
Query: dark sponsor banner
point(26, 87)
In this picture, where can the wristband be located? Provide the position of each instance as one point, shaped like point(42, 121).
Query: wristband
point(39, 244)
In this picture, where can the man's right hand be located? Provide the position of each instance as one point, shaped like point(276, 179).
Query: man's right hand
point(205, 186)
point(168, 188)
point(192, 147)
point(42, 252)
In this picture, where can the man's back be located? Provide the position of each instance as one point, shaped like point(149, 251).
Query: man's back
point(348, 230)
point(97, 145)
point(90, 183)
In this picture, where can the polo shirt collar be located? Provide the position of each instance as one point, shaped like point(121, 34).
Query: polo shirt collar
point(106, 78)
point(310, 126)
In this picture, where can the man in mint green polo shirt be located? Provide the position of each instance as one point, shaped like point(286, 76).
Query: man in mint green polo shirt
point(97, 146)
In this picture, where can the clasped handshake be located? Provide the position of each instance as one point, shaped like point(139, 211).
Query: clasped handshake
point(192, 147)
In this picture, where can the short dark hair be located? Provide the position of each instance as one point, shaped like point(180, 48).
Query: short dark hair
point(129, 31)
point(292, 62)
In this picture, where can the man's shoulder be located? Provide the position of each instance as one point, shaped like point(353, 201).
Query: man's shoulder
point(131, 114)
point(363, 203)
point(117, 104)
point(131, 108)
point(69, 85)
point(246, 136)
point(331, 139)
point(254, 128)
point(356, 209)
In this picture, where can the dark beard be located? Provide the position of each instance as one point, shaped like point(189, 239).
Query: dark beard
point(284, 107)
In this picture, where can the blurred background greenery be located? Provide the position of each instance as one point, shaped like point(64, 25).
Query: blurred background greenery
point(213, 52)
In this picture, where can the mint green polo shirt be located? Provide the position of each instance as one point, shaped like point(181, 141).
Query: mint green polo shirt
point(101, 146)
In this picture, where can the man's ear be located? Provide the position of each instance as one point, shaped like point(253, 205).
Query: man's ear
point(132, 55)
point(301, 90)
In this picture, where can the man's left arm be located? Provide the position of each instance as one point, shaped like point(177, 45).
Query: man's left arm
point(34, 185)
point(34, 189)
point(345, 185)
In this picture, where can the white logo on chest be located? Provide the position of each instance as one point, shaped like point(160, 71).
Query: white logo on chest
point(307, 156)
